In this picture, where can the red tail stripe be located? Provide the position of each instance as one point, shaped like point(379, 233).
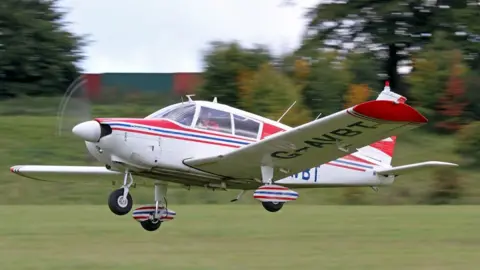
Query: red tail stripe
point(385, 147)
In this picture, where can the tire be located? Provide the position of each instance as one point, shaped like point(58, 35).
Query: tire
point(272, 207)
point(116, 206)
point(150, 226)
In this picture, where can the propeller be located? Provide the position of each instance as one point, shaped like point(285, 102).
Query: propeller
point(74, 108)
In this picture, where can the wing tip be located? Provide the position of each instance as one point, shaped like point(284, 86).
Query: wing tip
point(390, 111)
point(446, 164)
point(14, 169)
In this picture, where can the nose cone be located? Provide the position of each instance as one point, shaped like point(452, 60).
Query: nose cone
point(89, 131)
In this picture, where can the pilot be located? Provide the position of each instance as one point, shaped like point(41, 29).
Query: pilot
point(209, 123)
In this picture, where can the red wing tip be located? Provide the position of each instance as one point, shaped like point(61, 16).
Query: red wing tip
point(388, 110)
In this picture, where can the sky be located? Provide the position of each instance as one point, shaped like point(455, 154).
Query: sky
point(170, 36)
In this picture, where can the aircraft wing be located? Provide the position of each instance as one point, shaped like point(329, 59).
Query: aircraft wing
point(55, 172)
point(411, 168)
point(314, 143)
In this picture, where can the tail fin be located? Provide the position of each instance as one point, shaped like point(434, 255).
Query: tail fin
point(382, 151)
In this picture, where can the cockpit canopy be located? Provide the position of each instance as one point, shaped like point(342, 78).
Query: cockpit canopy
point(205, 117)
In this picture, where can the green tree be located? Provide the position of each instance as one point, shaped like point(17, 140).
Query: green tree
point(472, 81)
point(432, 69)
point(225, 68)
point(447, 186)
point(468, 144)
point(269, 93)
point(38, 56)
point(392, 28)
point(326, 84)
point(364, 70)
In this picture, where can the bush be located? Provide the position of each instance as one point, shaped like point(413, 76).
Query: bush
point(446, 187)
point(468, 144)
point(353, 195)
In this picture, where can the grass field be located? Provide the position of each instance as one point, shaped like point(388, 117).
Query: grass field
point(242, 237)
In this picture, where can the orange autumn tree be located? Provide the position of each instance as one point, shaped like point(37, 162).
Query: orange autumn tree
point(452, 103)
point(357, 93)
point(301, 69)
point(244, 82)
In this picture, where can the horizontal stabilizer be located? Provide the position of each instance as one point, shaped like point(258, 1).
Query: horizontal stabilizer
point(410, 168)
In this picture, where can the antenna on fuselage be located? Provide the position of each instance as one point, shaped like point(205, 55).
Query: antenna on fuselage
point(215, 100)
point(189, 97)
point(286, 111)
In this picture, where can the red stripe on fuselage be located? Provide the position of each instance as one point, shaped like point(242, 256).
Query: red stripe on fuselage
point(174, 137)
point(167, 124)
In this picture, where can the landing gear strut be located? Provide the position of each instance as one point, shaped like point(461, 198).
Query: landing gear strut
point(150, 217)
point(120, 201)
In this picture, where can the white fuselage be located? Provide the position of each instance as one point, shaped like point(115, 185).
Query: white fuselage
point(162, 151)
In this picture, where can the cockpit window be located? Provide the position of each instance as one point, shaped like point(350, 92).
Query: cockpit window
point(246, 127)
point(183, 115)
point(216, 120)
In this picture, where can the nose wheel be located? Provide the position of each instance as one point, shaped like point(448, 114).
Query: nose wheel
point(120, 201)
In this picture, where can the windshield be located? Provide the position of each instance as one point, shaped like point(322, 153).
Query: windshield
point(182, 114)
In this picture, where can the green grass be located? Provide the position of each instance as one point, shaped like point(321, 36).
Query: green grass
point(242, 237)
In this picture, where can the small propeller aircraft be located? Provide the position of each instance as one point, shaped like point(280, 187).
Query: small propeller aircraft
point(208, 144)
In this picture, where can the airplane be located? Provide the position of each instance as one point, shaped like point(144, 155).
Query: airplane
point(208, 144)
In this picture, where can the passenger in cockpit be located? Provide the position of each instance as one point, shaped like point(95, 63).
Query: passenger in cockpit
point(209, 123)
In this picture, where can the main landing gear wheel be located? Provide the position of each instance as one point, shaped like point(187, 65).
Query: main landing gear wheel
point(272, 206)
point(118, 204)
point(151, 217)
point(271, 195)
point(151, 225)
